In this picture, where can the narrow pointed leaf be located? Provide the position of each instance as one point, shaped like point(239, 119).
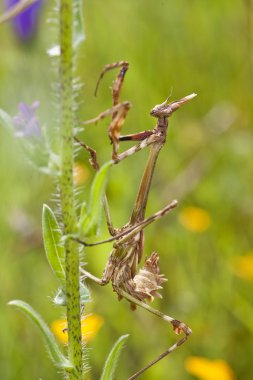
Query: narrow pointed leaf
point(6, 120)
point(51, 344)
point(90, 215)
point(111, 361)
point(53, 243)
point(55, 253)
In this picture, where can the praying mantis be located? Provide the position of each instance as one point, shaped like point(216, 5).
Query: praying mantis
point(122, 266)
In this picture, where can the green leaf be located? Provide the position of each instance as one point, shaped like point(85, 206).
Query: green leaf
point(84, 294)
point(78, 35)
point(52, 237)
point(36, 153)
point(55, 253)
point(111, 361)
point(90, 215)
point(6, 120)
point(60, 298)
point(36, 150)
point(57, 356)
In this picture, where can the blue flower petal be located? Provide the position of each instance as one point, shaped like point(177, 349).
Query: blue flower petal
point(25, 24)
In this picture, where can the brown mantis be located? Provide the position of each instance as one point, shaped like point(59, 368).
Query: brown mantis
point(122, 265)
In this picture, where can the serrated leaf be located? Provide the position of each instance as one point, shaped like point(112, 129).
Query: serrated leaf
point(112, 359)
point(53, 243)
point(57, 356)
point(90, 215)
point(78, 35)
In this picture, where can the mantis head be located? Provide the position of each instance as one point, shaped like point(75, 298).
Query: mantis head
point(166, 109)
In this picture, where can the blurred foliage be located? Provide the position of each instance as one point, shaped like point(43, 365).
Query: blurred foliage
point(202, 47)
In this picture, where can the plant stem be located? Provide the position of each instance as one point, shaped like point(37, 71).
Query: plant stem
point(66, 187)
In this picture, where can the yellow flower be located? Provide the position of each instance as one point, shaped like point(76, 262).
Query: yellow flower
point(243, 266)
point(195, 219)
point(81, 174)
point(90, 325)
point(206, 369)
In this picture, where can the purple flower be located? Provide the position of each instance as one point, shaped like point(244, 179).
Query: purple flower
point(25, 24)
point(26, 122)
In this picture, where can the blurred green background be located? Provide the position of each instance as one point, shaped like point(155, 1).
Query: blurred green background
point(205, 245)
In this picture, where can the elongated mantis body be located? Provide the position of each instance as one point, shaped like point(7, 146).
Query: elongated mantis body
point(122, 266)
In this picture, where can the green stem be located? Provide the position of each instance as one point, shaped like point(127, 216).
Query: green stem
point(66, 188)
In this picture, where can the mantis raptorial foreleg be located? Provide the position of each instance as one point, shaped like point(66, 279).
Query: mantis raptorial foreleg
point(119, 110)
point(110, 111)
point(117, 83)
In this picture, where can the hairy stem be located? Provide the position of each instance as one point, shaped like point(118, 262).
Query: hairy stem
point(66, 187)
